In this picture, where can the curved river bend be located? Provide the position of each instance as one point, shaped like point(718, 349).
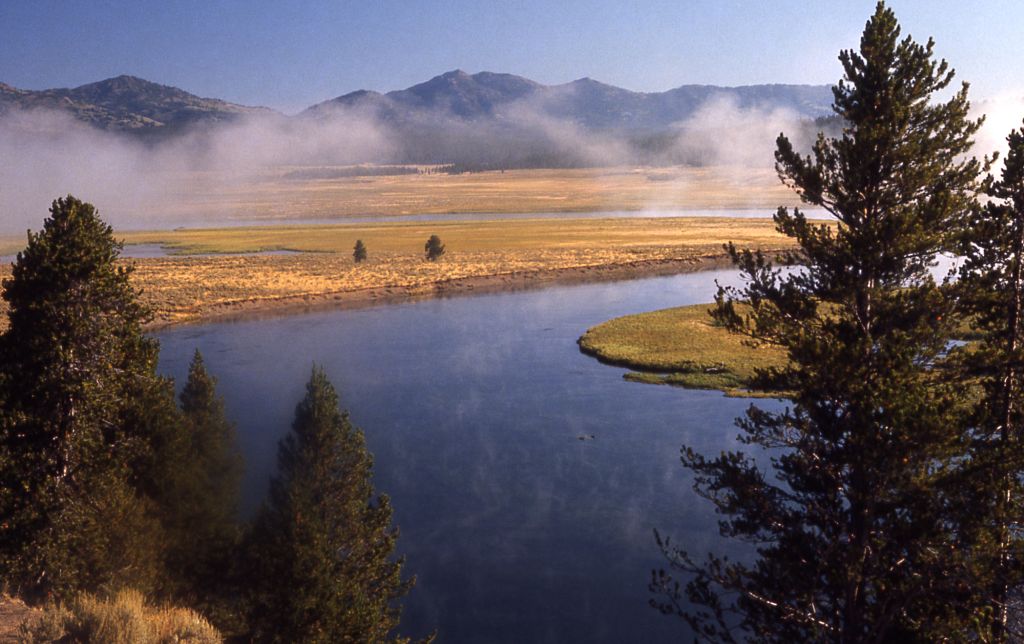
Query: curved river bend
point(474, 409)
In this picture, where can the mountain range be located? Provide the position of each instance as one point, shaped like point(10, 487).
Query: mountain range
point(591, 104)
point(473, 121)
point(134, 105)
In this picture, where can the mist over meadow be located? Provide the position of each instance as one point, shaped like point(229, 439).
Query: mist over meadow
point(157, 181)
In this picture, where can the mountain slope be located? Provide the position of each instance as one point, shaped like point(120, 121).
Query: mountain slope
point(127, 103)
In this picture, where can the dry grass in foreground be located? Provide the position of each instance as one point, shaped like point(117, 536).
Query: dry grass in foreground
point(480, 254)
point(124, 618)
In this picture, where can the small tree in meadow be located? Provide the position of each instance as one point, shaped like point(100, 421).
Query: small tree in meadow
point(434, 248)
point(359, 251)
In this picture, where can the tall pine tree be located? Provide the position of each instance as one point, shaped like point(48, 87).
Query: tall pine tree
point(321, 546)
point(74, 366)
point(992, 284)
point(201, 476)
point(853, 542)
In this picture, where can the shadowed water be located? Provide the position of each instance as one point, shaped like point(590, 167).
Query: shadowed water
point(473, 407)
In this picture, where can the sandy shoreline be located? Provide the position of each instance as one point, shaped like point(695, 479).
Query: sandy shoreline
point(255, 308)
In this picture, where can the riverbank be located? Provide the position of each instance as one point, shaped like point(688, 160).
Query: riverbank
point(248, 307)
point(482, 256)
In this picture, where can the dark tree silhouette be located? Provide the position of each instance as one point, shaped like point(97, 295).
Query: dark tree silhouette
point(359, 251)
point(322, 545)
point(78, 385)
point(852, 539)
point(992, 287)
point(434, 248)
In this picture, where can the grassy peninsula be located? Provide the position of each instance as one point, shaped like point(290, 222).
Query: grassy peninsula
point(680, 346)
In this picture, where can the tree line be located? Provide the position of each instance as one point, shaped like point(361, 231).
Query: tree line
point(892, 506)
point(108, 481)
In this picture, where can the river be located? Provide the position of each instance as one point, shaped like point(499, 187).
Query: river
point(474, 408)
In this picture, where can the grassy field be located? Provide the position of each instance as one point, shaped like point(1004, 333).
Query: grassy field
point(272, 196)
point(517, 236)
point(187, 287)
point(680, 346)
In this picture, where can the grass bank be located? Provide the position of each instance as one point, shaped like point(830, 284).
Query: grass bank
point(680, 346)
point(481, 255)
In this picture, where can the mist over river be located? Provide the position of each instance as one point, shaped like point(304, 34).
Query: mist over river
point(526, 478)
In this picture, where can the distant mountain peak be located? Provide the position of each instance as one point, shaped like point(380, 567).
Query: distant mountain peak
point(128, 103)
point(360, 93)
point(128, 79)
point(127, 82)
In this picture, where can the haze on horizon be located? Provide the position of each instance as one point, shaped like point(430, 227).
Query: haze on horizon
point(261, 52)
point(264, 53)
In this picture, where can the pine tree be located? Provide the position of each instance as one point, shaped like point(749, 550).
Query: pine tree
point(321, 545)
point(853, 541)
point(434, 248)
point(202, 475)
point(359, 251)
point(74, 363)
point(992, 284)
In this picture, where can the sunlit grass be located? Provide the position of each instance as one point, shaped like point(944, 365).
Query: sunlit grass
point(617, 234)
point(274, 194)
point(126, 617)
point(680, 346)
point(185, 287)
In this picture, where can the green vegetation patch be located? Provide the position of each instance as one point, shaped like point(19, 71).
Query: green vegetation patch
point(683, 347)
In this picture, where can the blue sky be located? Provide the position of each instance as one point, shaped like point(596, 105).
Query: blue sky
point(288, 55)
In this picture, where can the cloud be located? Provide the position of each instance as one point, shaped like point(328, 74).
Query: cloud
point(1002, 114)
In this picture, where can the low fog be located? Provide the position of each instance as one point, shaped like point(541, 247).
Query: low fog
point(150, 182)
point(46, 154)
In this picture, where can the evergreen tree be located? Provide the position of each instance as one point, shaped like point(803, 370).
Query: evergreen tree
point(74, 366)
point(359, 251)
point(992, 284)
point(322, 544)
point(202, 476)
point(853, 540)
point(434, 248)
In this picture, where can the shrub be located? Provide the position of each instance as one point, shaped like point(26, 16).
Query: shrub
point(123, 618)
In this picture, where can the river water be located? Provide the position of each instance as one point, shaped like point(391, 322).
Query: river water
point(474, 408)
